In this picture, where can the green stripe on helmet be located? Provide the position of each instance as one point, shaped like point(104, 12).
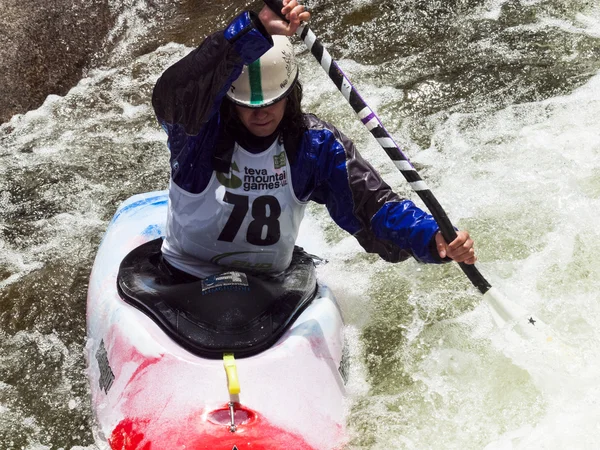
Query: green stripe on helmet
point(256, 92)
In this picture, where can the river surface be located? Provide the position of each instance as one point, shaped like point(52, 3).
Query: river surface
point(497, 103)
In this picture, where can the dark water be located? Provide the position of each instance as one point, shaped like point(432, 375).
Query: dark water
point(45, 47)
point(64, 170)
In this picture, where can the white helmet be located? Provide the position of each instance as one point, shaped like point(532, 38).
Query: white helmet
point(268, 79)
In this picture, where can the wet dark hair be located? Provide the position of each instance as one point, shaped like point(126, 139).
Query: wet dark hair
point(293, 123)
point(291, 128)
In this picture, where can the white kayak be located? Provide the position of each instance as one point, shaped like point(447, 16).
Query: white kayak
point(168, 370)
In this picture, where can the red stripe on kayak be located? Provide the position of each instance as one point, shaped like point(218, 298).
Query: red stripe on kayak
point(127, 437)
point(142, 366)
point(196, 434)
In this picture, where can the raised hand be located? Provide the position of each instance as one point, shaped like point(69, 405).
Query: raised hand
point(294, 14)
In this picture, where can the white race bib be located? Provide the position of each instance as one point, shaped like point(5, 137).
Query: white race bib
point(247, 219)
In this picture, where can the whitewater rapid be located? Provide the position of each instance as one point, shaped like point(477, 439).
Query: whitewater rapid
point(511, 151)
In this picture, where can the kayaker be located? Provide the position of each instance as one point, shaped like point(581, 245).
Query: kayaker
point(245, 160)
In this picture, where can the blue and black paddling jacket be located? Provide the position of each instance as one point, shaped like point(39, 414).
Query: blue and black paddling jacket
point(325, 165)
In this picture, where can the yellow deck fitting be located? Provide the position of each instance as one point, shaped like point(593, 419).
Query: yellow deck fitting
point(232, 377)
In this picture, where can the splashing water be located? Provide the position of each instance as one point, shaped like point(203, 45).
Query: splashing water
point(497, 105)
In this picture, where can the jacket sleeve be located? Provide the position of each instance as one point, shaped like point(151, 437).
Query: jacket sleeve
point(189, 92)
point(188, 95)
point(360, 202)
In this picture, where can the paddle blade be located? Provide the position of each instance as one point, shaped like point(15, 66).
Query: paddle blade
point(503, 310)
point(506, 312)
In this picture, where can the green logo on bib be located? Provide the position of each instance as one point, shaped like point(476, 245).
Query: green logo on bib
point(279, 160)
point(232, 182)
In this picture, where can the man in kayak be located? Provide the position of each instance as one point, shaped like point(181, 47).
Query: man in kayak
point(245, 161)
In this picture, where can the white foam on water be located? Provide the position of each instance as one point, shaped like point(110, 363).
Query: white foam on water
point(525, 181)
point(96, 118)
point(99, 120)
point(38, 446)
point(533, 167)
point(134, 20)
point(32, 349)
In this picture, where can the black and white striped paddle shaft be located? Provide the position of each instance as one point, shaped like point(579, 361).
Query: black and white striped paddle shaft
point(374, 125)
